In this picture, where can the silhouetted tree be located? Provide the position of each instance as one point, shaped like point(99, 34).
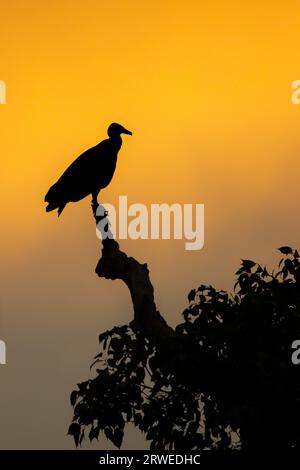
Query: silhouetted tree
point(222, 379)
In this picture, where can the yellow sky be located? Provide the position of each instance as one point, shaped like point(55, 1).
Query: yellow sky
point(206, 90)
point(202, 87)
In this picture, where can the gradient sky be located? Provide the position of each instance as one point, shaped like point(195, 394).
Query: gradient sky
point(206, 90)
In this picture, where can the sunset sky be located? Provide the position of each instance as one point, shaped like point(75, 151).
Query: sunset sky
point(206, 91)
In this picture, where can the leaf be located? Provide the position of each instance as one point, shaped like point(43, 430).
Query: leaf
point(265, 273)
point(286, 250)
point(114, 435)
point(129, 414)
point(82, 386)
point(102, 336)
point(191, 295)
point(94, 433)
point(116, 344)
point(74, 430)
point(117, 437)
point(239, 271)
point(73, 397)
point(81, 437)
point(248, 264)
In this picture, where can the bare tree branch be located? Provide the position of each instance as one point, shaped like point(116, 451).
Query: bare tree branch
point(115, 264)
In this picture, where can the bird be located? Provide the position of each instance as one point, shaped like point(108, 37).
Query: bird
point(89, 173)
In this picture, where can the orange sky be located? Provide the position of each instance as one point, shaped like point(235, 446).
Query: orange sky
point(206, 91)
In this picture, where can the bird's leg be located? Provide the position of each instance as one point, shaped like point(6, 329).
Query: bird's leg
point(95, 198)
point(95, 203)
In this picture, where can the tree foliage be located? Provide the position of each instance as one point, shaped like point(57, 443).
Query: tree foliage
point(228, 382)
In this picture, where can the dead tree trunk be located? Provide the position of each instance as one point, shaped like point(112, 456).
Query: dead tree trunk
point(115, 264)
point(181, 357)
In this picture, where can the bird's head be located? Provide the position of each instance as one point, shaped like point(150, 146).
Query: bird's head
point(115, 130)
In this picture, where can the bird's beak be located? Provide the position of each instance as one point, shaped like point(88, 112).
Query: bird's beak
point(125, 131)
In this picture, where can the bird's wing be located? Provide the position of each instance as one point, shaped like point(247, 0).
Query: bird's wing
point(77, 178)
point(84, 163)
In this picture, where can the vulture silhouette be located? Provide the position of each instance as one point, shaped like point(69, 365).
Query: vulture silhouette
point(89, 173)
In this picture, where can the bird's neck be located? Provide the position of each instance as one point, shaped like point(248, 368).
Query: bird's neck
point(116, 140)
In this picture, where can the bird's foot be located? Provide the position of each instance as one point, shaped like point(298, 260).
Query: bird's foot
point(95, 206)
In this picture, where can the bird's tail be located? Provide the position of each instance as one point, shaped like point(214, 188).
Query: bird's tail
point(54, 201)
point(52, 207)
point(60, 209)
